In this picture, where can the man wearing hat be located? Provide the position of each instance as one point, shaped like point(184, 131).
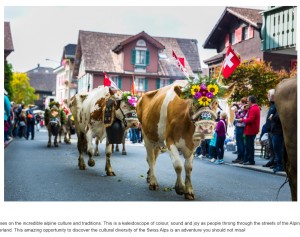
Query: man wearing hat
point(30, 122)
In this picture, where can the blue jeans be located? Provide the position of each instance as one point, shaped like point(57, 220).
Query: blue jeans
point(249, 156)
point(277, 141)
point(240, 142)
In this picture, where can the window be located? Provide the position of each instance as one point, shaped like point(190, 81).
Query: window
point(141, 84)
point(245, 33)
point(232, 38)
point(164, 82)
point(140, 57)
point(117, 80)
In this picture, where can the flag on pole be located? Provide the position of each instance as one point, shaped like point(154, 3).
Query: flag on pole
point(133, 86)
point(231, 62)
point(108, 81)
point(180, 64)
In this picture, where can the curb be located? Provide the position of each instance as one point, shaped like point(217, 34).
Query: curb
point(251, 167)
point(8, 142)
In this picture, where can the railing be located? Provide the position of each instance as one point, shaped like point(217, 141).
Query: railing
point(279, 28)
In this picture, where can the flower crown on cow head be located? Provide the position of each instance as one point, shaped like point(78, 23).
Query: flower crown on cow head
point(130, 99)
point(202, 91)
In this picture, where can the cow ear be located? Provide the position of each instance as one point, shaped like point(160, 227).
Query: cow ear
point(177, 90)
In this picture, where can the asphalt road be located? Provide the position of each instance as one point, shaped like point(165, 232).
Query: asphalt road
point(33, 172)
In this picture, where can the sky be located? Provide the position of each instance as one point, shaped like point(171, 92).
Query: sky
point(40, 33)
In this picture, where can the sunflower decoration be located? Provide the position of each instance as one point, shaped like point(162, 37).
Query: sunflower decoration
point(130, 99)
point(202, 91)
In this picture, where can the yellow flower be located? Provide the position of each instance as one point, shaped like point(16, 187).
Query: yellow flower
point(204, 101)
point(213, 88)
point(195, 89)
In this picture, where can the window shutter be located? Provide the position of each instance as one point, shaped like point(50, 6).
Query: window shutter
point(227, 40)
point(251, 32)
point(133, 55)
point(120, 82)
point(147, 57)
point(157, 83)
point(146, 84)
point(238, 35)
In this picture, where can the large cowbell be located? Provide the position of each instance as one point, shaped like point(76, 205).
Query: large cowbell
point(115, 132)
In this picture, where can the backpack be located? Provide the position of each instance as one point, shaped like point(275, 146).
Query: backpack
point(30, 115)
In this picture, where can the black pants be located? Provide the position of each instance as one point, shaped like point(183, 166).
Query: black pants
point(220, 147)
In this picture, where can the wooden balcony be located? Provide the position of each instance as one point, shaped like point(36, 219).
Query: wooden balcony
point(279, 28)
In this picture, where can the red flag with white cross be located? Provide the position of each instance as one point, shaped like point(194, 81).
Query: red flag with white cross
point(108, 82)
point(231, 62)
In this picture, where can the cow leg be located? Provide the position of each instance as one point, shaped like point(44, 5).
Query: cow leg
point(49, 139)
point(117, 148)
point(152, 153)
point(188, 164)
point(55, 141)
point(96, 152)
point(90, 151)
point(177, 164)
point(123, 143)
point(80, 146)
point(108, 167)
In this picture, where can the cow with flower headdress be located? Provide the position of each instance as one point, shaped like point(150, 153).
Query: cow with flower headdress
point(101, 113)
point(177, 117)
point(55, 118)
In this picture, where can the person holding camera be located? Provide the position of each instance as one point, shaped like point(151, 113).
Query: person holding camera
point(241, 111)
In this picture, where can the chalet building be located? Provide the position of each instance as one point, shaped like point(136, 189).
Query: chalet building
point(278, 33)
point(241, 28)
point(145, 58)
point(43, 80)
point(65, 86)
point(8, 43)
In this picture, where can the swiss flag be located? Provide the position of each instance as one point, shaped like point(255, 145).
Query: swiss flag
point(180, 63)
point(133, 86)
point(230, 63)
point(108, 81)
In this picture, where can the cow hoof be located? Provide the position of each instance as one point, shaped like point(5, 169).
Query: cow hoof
point(91, 163)
point(49, 145)
point(55, 144)
point(153, 187)
point(179, 192)
point(82, 167)
point(96, 154)
point(111, 173)
point(189, 196)
point(124, 153)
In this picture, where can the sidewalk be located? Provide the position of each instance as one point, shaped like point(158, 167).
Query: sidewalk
point(259, 162)
point(8, 142)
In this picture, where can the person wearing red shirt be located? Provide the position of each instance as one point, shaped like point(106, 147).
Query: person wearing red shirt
point(252, 121)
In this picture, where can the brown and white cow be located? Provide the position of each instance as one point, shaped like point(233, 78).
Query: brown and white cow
point(286, 104)
point(166, 121)
point(88, 111)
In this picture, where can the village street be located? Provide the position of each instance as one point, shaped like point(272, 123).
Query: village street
point(33, 172)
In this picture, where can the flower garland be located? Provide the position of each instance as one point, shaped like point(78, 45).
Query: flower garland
point(130, 99)
point(202, 91)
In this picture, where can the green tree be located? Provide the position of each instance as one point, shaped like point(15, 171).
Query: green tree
point(22, 91)
point(8, 74)
point(254, 78)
